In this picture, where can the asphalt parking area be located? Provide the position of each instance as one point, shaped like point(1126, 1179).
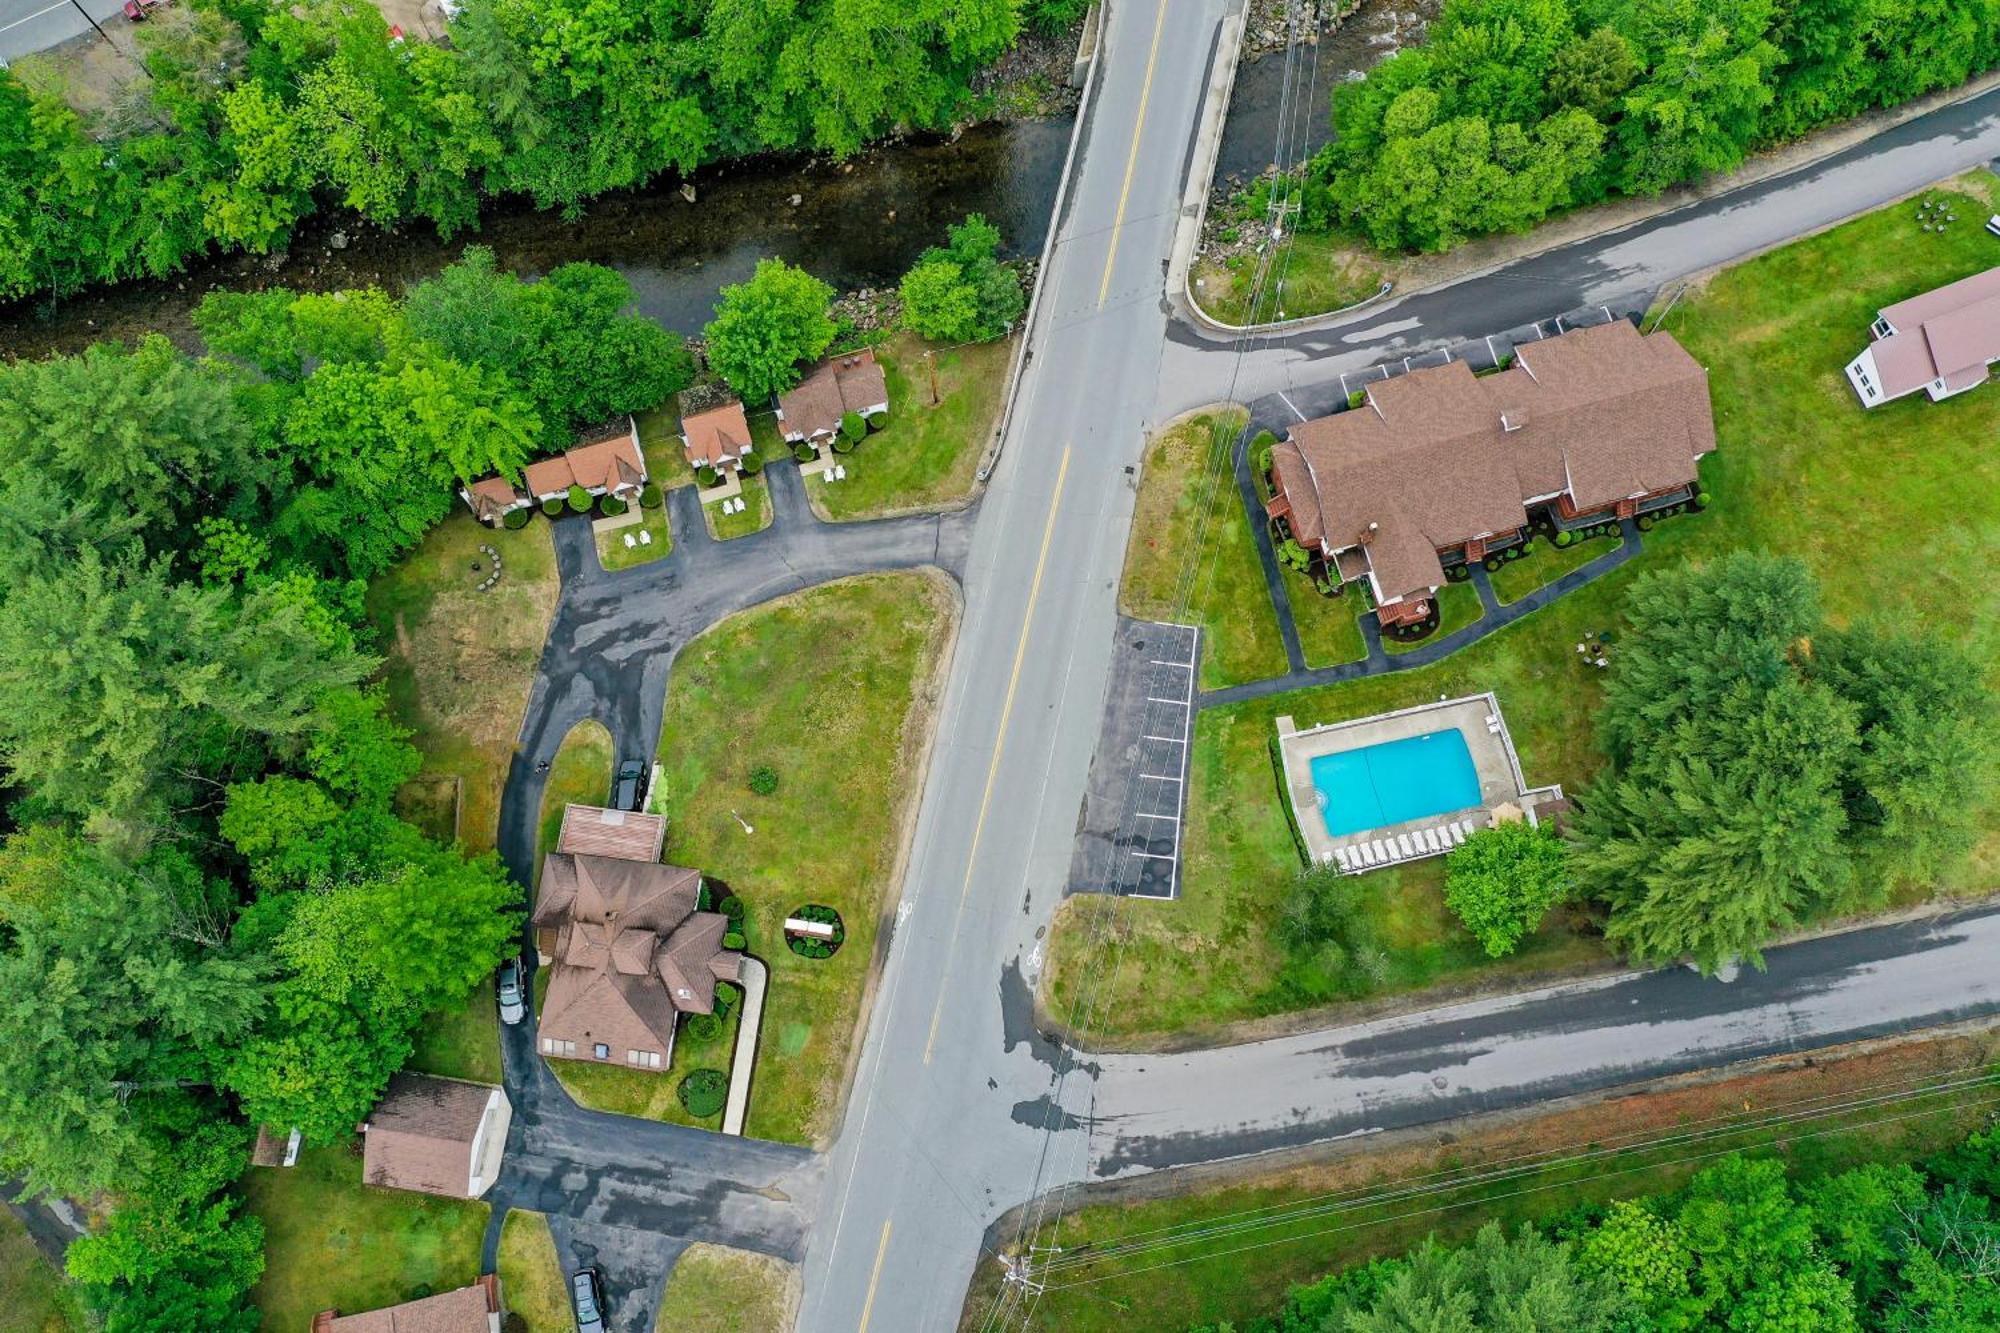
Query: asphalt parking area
point(1129, 838)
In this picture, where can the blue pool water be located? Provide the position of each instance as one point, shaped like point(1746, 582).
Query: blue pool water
point(1412, 778)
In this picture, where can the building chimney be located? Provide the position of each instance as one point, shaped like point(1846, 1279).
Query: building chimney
point(1513, 421)
point(1368, 533)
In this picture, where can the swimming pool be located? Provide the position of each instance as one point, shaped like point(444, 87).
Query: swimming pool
point(1378, 785)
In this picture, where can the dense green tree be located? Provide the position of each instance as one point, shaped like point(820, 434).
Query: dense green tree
point(116, 996)
point(1593, 72)
point(116, 681)
point(1757, 1262)
point(1647, 1257)
point(764, 328)
point(1525, 1283)
point(1502, 881)
point(960, 292)
point(1698, 109)
point(567, 340)
point(1329, 933)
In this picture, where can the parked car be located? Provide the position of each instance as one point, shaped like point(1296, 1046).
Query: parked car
point(136, 10)
point(512, 1010)
point(586, 1293)
point(625, 792)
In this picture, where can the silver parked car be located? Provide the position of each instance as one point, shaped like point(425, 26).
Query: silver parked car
point(512, 1009)
point(587, 1294)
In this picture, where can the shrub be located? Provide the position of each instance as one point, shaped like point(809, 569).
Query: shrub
point(703, 1092)
point(734, 908)
point(1701, 500)
point(579, 500)
point(842, 445)
point(517, 519)
point(763, 779)
point(1458, 573)
point(515, 1322)
point(1357, 398)
point(611, 506)
point(734, 940)
point(707, 477)
point(803, 452)
point(727, 996)
point(751, 464)
point(1492, 562)
point(704, 1027)
point(1564, 539)
point(877, 421)
point(1645, 523)
point(852, 427)
point(552, 506)
point(1503, 881)
point(1511, 553)
point(649, 496)
point(1528, 546)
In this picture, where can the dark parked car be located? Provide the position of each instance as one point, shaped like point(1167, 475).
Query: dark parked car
point(625, 792)
point(512, 1010)
point(587, 1294)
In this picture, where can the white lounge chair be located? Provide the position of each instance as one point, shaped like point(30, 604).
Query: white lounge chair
point(1340, 857)
point(1453, 834)
point(645, 537)
point(1492, 719)
point(1404, 850)
point(1430, 836)
point(840, 471)
point(1378, 853)
point(629, 543)
point(1371, 854)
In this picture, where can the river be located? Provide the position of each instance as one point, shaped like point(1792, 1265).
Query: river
point(858, 223)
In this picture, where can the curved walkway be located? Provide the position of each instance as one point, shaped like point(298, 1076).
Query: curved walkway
point(627, 1195)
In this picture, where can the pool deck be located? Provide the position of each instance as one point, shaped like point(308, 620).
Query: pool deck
point(1493, 759)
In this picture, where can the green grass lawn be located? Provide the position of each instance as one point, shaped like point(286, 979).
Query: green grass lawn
point(580, 774)
point(1245, 1273)
point(1546, 563)
point(927, 454)
point(628, 1091)
point(1329, 627)
point(464, 1044)
point(460, 661)
point(832, 688)
point(1186, 479)
point(1897, 510)
point(721, 1290)
point(1458, 606)
point(756, 515)
point(331, 1242)
point(613, 553)
point(531, 1276)
point(1321, 273)
point(34, 1297)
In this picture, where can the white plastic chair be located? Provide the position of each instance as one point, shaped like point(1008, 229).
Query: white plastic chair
point(645, 537)
point(629, 543)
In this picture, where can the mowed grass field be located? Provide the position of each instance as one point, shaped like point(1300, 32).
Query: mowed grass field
point(832, 689)
point(333, 1243)
point(1191, 559)
point(1897, 510)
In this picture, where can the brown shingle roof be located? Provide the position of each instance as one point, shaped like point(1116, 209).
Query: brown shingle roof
point(419, 1136)
point(1439, 456)
point(630, 950)
point(717, 436)
point(596, 831)
point(853, 382)
point(493, 496)
point(464, 1310)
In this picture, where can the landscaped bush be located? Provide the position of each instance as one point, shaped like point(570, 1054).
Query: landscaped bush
point(1645, 523)
point(1492, 562)
point(1564, 539)
point(877, 421)
point(649, 495)
point(707, 477)
point(517, 519)
point(727, 996)
point(852, 427)
point(808, 947)
point(763, 779)
point(611, 506)
point(704, 1027)
point(803, 452)
point(1458, 573)
point(734, 940)
point(552, 506)
point(703, 1092)
point(1357, 397)
point(752, 463)
point(734, 908)
point(579, 500)
point(842, 445)
point(1512, 553)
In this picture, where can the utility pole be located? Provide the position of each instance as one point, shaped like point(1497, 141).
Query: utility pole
point(930, 363)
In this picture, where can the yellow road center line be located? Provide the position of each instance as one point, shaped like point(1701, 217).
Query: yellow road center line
point(1000, 740)
point(1132, 162)
point(875, 1276)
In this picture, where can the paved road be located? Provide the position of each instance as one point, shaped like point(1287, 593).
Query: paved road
point(1619, 270)
point(1156, 1111)
point(27, 26)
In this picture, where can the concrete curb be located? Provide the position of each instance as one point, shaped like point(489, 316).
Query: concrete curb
point(1201, 174)
point(1054, 238)
point(756, 979)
